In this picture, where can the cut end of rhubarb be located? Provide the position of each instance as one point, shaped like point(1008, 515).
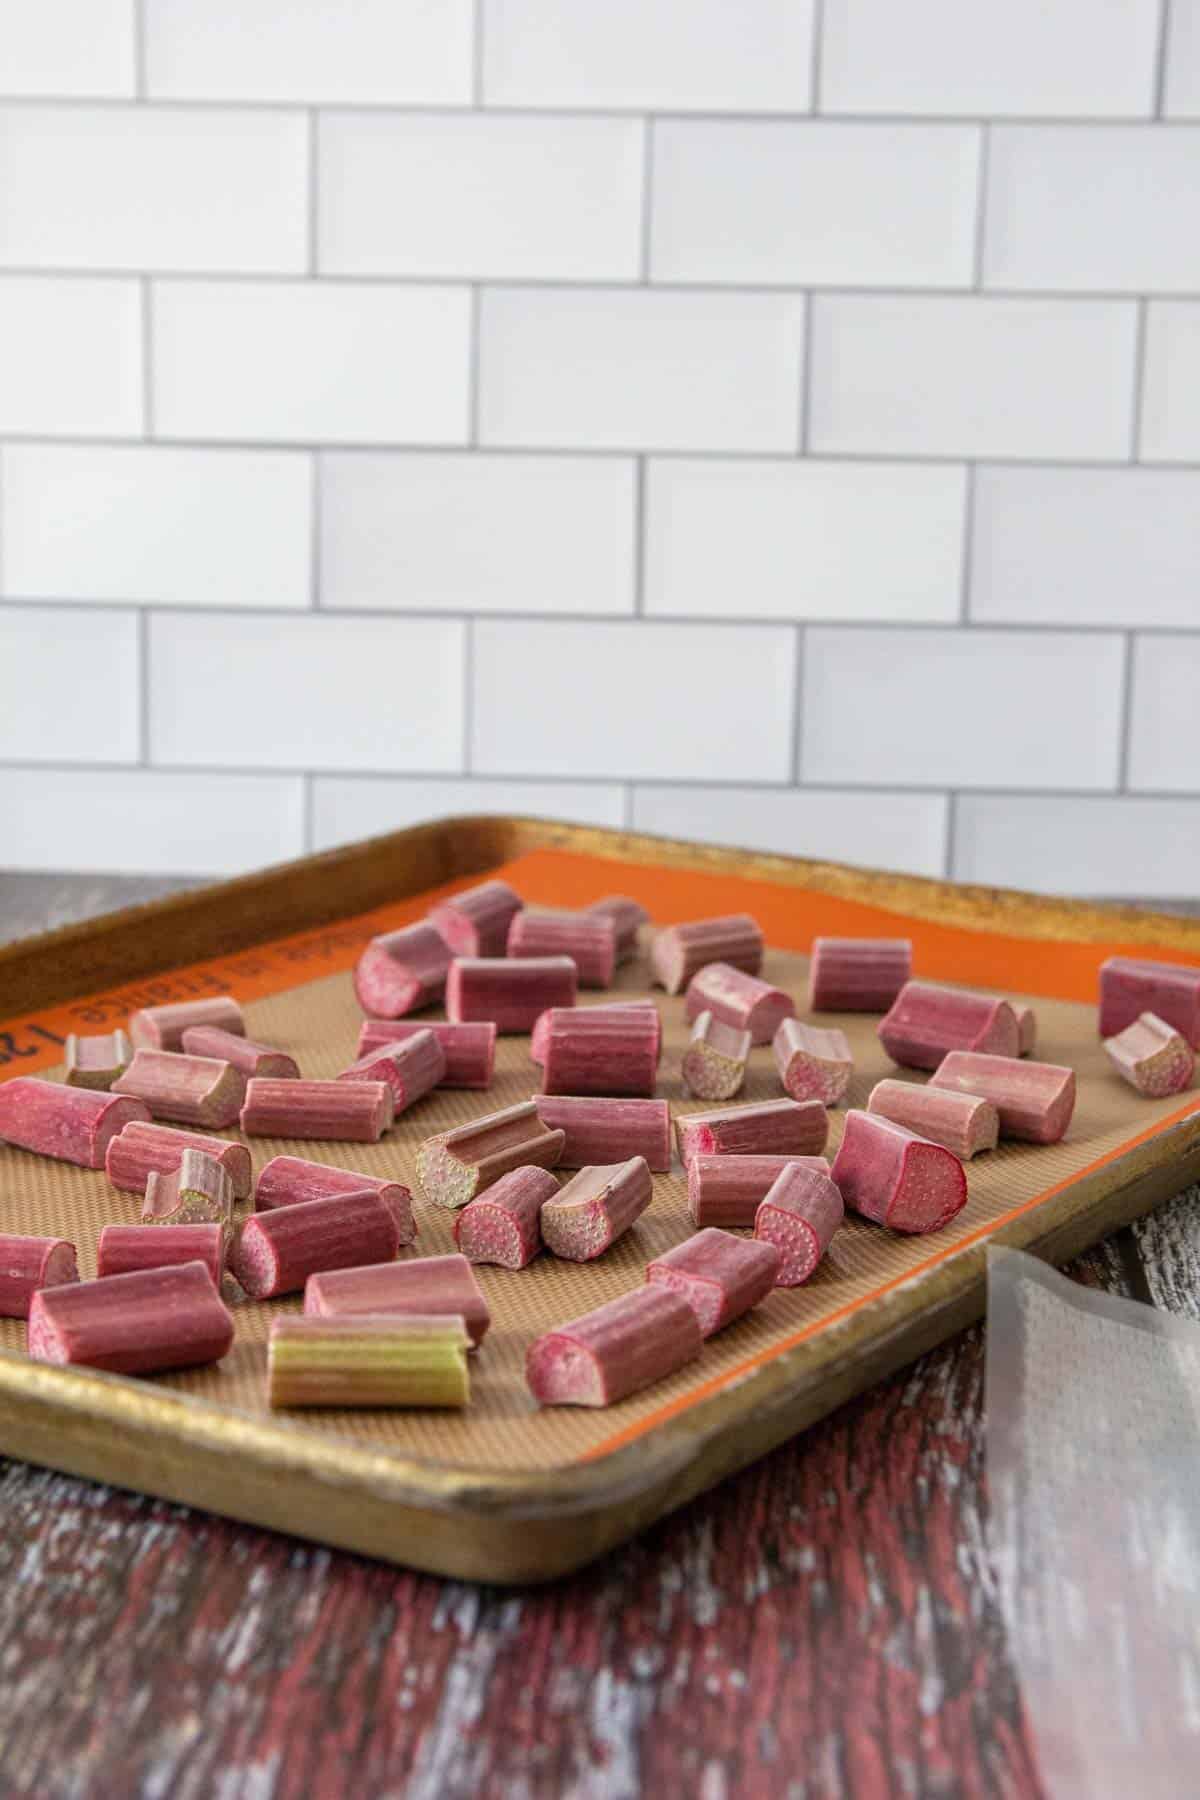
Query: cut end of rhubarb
point(254, 1263)
point(796, 1243)
point(560, 1373)
point(1152, 1057)
point(895, 1178)
point(813, 1064)
point(43, 1341)
point(60, 1266)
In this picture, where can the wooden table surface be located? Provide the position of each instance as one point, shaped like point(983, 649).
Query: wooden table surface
point(823, 1625)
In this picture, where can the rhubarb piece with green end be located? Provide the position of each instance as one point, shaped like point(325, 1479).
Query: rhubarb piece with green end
point(123, 1249)
point(511, 991)
point(1131, 986)
point(247, 1057)
point(765, 1128)
point(475, 923)
point(714, 1063)
point(798, 1215)
point(290, 1181)
point(30, 1263)
point(601, 1050)
point(428, 1284)
point(469, 1049)
point(719, 1275)
point(614, 1351)
point(737, 999)
point(401, 971)
point(162, 1027)
point(1026, 1029)
point(454, 1166)
point(1152, 1057)
point(277, 1251)
point(589, 939)
point(355, 1112)
point(144, 1149)
point(627, 915)
point(926, 1022)
point(1034, 1100)
point(889, 1174)
point(726, 1190)
point(420, 1360)
point(608, 1009)
point(679, 950)
point(73, 1124)
point(411, 1069)
point(95, 1062)
point(964, 1123)
point(504, 1225)
point(596, 1207)
point(599, 1130)
point(857, 974)
point(198, 1192)
point(813, 1064)
point(186, 1090)
point(136, 1324)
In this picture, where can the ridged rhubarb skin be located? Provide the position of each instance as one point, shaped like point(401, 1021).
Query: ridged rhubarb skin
point(927, 1021)
point(614, 1351)
point(798, 1215)
point(539, 1036)
point(277, 1251)
point(719, 1275)
point(678, 951)
point(469, 1048)
point(126, 1249)
point(95, 1062)
point(857, 974)
point(714, 1063)
point(765, 1128)
point(739, 1000)
point(590, 940)
point(476, 922)
point(596, 1207)
point(415, 1361)
point(198, 1191)
point(726, 1190)
point(454, 1166)
point(184, 1090)
point(72, 1124)
point(590, 1050)
point(813, 1064)
point(1034, 1100)
point(247, 1057)
point(1152, 1057)
point(895, 1178)
point(162, 1027)
point(628, 916)
point(510, 991)
point(602, 1130)
point(1130, 986)
point(1026, 1029)
point(30, 1263)
point(137, 1324)
point(504, 1225)
point(411, 1069)
point(401, 971)
point(143, 1149)
point(352, 1112)
point(290, 1181)
point(964, 1123)
point(443, 1285)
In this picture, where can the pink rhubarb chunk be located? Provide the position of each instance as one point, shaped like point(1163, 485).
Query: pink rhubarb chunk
point(679, 950)
point(964, 1123)
point(927, 1021)
point(589, 939)
point(247, 1057)
point(610, 1353)
point(737, 999)
point(425, 1285)
point(764, 1128)
point(184, 1090)
point(454, 1166)
point(357, 1112)
point(469, 1049)
point(411, 1069)
point(719, 1275)
point(857, 974)
point(598, 1130)
point(892, 1176)
point(1131, 986)
point(627, 915)
point(198, 1191)
point(30, 1263)
point(714, 1063)
point(1034, 1100)
point(504, 1225)
point(726, 1190)
point(511, 991)
point(144, 1148)
point(1152, 1057)
point(73, 1124)
point(162, 1027)
point(601, 1050)
point(401, 971)
point(596, 1207)
point(136, 1324)
point(799, 1215)
point(95, 1062)
point(813, 1064)
point(277, 1251)
point(124, 1249)
point(290, 1181)
point(607, 1009)
point(476, 922)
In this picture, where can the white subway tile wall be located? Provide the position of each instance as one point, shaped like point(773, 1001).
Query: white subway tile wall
point(775, 423)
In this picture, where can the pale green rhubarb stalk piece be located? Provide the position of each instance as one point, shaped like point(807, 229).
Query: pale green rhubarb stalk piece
point(413, 1360)
point(95, 1062)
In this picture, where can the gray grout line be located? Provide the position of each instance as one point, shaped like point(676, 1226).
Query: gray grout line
point(979, 245)
point(951, 844)
point(143, 653)
point(468, 720)
point(312, 144)
point(474, 349)
point(146, 299)
point(640, 525)
point(646, 244)
point(477, 24)
point(968, 544)
point(1139, 379)
point(1160, 58)
point(1126, 721)
point(815, 69)
point(139, 49)
point(798, 709)
point(316, 494)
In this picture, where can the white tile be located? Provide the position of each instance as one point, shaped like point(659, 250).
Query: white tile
point(972, 377)
point(346, 808)
point(1012, 709)
point(158, 526)
point(113, 187)
point(480, 195)
point(70, 356)
point(1183, 59)
point(794, 540)
point(319, 694)
point(874, 830)
point(1171, 396)
point(1126, 848)
point(68, 688)
point(478, 533)
point(682, 54)
point(990, 56)
point(418, 52)
point(296, 362)
point(627, 369)
point(1094, 208)
point(643, 700)
point(66, 47)
point(1164, 750)
point(1086, 546)
point(146, 823)
point(814, 203)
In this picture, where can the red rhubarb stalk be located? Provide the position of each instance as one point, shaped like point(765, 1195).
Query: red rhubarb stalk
point(411, 1069)
point(402, 971)
point(124, 1249)
point(726, 1190)
point(510, 991)
point(597, 1130)
point(30, 1263)
point(290, 1181)
point(719, 1275)
point(927, 1021)
point(1034, 1100)
point(1131, 986)
point(590, 940)
point(144, 1149)
point(247, 1057)
point(426, 1284)
point(95, 1062)
point(799, 1215)
point(737, 999)
point(589, 1050)
point(454, 1166)
point(277, 1251)
point(503, 1226)
point(677, 952)
point(627, 915)
point(73, 1124)
point(136, 1324)
point(896, 1178)
point(596, 1207)
point(964, 1123)
point(714, 1063)
point(357, 1112)
point(162, 1027)
point(610, 1353)
point(1152, 1057)
point(469, 1049)
point(765, 1128)
point(184, 1090)
point(813, 1064)
point(857, 974)
point(475, 923)
point(608, 1009)
point(198, 1191)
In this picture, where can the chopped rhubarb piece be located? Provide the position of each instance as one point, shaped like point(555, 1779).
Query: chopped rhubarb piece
point(1026, 1029)
point(436, 1285)
point(813, 1064)
point(454, 1166)
point(411, 1069)
point(420, 1360)
point(475, 923)
point(277, 1251)
point(1130, 987)
point(590, 940)
point(95, 1062)
point(677, 952)
point(964, 1123)
point(73, 1124)
point(503, 1226)
point(714, 1063)
point(737, 999)
point(401, 971)
point(122, 1249)
point(162, 1027)
point(592, 1050)
point(356, 1112)
point(726, 1190)
point(616, 1009)
point(614, 1351)
point(1152, 1056)
point(799, 1215)
point(136, 1324)
point(889, 1174)
point(598, 1130)
point(30, 1263)
point(627, 915)
point(290, 1181)
point(144, 1149)
point(197, 1192)
point(247, 1057)
point(1034, 1100)
point(469, 1048)
point(511, 991)
point(596, 1207)
point(719, 1275)
point(186, 1090)
point(857, 974)
point(766, 1128)
point(927, 1021)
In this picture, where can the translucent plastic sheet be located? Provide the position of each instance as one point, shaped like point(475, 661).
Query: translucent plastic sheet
point(1093, 1456)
